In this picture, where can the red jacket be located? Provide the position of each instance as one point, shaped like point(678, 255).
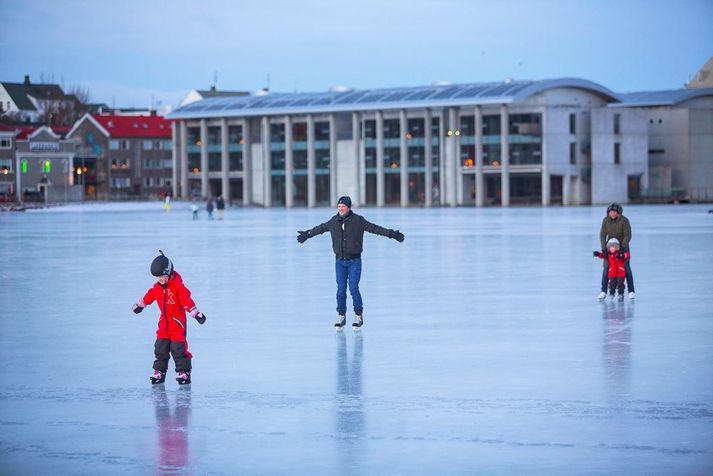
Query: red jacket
point(173, 301)
point(616, 264)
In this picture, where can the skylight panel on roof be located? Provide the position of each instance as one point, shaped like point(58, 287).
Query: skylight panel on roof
point(446, 93)
point(471, 92)
point(422, 94)
point(371, 97)
point(396, 96)
point(497, 90)
point(322, 101)
point(351, 97)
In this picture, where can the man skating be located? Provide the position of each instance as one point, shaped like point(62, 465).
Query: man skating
point(616, 225)
point(347, 230)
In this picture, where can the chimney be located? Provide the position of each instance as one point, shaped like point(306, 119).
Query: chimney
point(27, 80)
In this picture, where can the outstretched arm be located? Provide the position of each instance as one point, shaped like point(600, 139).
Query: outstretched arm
point(143, 302)
point(317, 230)
point(380, 230)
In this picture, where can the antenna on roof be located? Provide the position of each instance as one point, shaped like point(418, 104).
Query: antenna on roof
point(214, 87)
point(267, 87)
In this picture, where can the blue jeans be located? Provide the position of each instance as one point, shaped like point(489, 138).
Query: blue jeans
point(348, 272)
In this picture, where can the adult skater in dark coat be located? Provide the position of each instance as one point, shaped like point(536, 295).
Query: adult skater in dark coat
point(347, 230)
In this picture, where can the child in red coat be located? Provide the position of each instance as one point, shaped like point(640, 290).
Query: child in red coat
point(174, 300)
point(617, 267)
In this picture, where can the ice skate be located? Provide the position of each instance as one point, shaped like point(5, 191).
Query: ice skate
point(621, 297)
point(632, 296)
point(602, 296)
point(341, 322)
point(358, 322)
point(158, 377)
point(183, 378)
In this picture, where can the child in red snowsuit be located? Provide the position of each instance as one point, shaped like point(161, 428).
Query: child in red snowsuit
point(174, 300)
point(617, 267)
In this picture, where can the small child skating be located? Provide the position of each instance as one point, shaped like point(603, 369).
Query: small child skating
point(174, 300)
point(617, 268)
point(194, 208)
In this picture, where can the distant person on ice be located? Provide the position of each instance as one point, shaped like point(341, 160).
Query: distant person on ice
point(616, 225)
point(616, 271)
point(209, 208)
point(174, 300)
point(194, 208)
point(347, 230)
point(220, 206)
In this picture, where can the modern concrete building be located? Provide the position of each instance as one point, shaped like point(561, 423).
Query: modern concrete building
point(512, 142)
point(680, 141)
point(120, 157)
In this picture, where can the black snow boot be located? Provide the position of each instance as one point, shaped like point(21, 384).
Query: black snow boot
point(158, 377)
point(184, 377)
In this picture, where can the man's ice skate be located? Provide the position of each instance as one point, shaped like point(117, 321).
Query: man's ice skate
point(158, 377)
point(632, 296)
point(358, 322)
point(341, 322)
point(621, 297)
point(602, 296)
point(183, 378)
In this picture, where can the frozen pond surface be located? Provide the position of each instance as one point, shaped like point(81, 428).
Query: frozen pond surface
point(484, 348)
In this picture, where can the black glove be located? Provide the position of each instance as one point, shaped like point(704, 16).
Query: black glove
point(137, 309)
point(200, 317)
point(598, 254)
point(397, 235)
point(303, 235)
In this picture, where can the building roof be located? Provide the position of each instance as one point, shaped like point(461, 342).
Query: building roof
point(212, 93)
point(440, 95)
point(669, 97)
point(19, 93)
point(134, 126)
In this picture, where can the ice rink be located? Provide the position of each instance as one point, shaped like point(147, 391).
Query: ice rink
point(484, 348)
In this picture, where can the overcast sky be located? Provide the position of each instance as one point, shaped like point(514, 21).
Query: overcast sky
point(127, 51)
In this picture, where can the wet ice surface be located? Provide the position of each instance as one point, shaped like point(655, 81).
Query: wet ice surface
point(484, 348)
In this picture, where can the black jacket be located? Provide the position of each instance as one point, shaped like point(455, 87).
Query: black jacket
point(348, 234)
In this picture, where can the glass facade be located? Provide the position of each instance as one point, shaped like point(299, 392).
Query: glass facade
point(193, 135)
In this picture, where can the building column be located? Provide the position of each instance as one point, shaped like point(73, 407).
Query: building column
point(266, 162)
point(183, 168)
point(479, 178)
point(174, 159)
point(356, 136)
point(289, 165)
point(566, 189)
point(546, 189)
point(18, 177)
point(224, 160)
point(504, 156)
point(333, 178)
point(428, 157)
point(205, 193)
point(451, 160)
point(442, 156)
point(362, 159)
point(403, 155)
point(311, 164)
point(380, 190)
point(247, 164)
point(458, 167)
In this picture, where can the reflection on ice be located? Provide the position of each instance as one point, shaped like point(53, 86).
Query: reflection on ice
point(172, 425)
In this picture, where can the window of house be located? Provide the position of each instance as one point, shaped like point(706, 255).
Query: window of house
point(120, 182)
point(113, 144)
point(5, 166)
point(5, 143)
point(573, 123)
point(617, 123)
point(120, 164)
point(125, 145)
point(572, 152)
point(617, 153)
point(148, 145)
